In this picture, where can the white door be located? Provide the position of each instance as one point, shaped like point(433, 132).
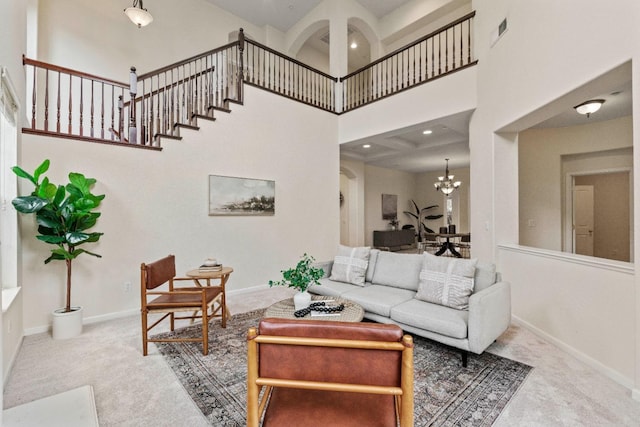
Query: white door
point(583, 219)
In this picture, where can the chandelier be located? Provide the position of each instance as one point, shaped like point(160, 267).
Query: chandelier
point(445, 183)
point(138, 14)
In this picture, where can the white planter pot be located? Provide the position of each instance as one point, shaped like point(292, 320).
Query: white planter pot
point(66, 325)
point(301, 300)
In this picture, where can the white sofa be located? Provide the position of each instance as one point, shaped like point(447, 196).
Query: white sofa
point(388, 295)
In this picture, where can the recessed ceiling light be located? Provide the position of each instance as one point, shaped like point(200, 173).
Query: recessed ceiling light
point(427, 132)
point(354, 45)
point(366, 146)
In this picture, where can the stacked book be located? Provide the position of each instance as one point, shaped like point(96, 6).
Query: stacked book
point(209, 268)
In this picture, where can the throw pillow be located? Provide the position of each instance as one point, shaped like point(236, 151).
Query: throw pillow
point(350, 265)
point(446, 281)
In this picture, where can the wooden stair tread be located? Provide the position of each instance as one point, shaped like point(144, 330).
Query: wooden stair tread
point(204, 117)
point(164, 135)
point(234, 101)
point(186, 126)
point(223, 109)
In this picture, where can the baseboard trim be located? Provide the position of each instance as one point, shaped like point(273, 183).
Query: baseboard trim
point(85, 321)
point(119, 314)
point(12, 362)
point(247, 290)
point(588, 360)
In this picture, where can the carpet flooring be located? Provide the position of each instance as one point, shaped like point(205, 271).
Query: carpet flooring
point(446, 394)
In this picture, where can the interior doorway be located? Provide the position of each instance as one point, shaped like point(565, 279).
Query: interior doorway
point(583, 219)
point(600, 208)
point(351, 207)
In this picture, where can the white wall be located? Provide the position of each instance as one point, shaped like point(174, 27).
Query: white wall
point(13, 43)
point(582, 307)
point(104, 42)
point(379, 181)
point(527, 74)
point(541, 181)
point(436, 15)
point(157, 204)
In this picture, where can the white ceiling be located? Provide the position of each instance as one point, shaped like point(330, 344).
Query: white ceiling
point(410, 150)
point(283, 14)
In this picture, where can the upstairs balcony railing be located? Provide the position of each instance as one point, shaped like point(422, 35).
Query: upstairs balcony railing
point(286, 76)
point(71, 104)
point(444, 51)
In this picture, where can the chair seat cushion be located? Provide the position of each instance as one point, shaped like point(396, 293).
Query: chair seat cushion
point(293, 407)
point(193, 299)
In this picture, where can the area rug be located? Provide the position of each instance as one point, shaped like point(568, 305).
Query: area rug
point(446, 394)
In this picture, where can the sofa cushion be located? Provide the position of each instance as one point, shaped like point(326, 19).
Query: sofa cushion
point(332, 288)
point(485, 276)
point(397, 270)
point(373, 259)
point(432, 317)
point(447, 281)
point(378, 299)
point(350, 264)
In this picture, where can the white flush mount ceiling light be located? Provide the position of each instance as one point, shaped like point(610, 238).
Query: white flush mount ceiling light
point(354, 45)
point(366, 146)
point(138, 14)
point(427, 132)
point(589, 107)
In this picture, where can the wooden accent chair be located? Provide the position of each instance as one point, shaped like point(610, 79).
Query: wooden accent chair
point(329, 373)
point(204, 300)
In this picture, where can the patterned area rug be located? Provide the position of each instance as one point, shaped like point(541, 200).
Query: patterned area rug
point(446, 394)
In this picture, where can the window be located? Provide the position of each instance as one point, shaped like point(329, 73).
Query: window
point(8, 188)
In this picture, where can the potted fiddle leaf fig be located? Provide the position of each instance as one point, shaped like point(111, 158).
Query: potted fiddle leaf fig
point(64, 214)
point(299, 278)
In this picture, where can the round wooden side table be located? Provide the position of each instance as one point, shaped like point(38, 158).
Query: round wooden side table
point(223, 276)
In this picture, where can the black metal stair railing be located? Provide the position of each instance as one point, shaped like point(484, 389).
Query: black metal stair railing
point(446, 50)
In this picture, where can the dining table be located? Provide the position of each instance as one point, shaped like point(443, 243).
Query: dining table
point(448, 244)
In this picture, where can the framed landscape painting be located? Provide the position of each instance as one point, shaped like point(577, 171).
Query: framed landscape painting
point(241, 196)
point(389, 206)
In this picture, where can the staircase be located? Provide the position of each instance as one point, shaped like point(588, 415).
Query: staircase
point(70, 104)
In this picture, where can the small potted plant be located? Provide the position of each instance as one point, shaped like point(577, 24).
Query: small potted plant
point(63, 214)
point(299, 278)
